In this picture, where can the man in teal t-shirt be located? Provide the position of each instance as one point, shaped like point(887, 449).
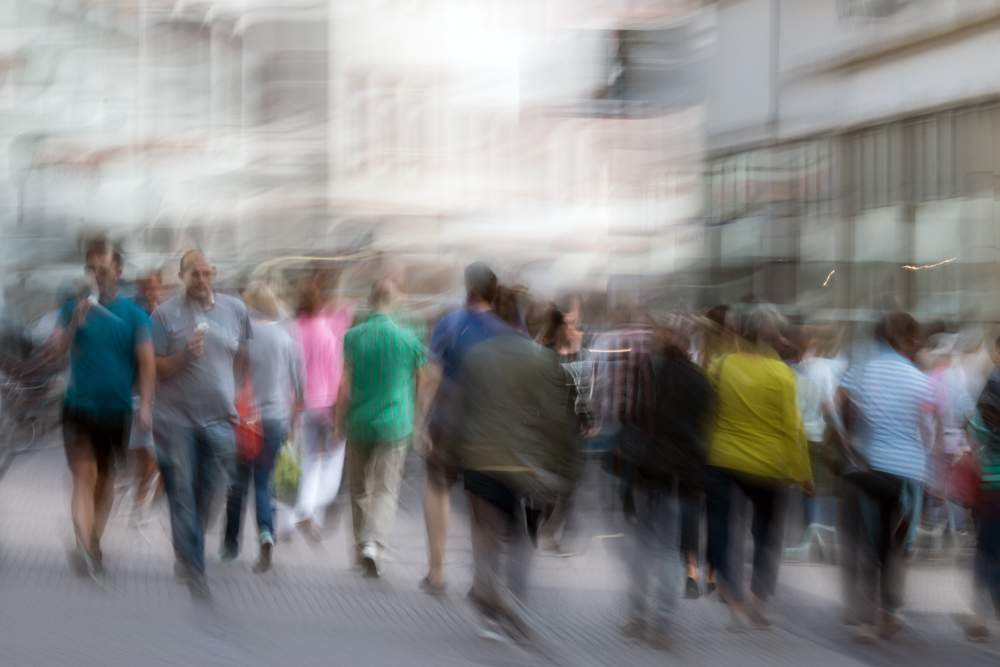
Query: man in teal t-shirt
point(110, 351)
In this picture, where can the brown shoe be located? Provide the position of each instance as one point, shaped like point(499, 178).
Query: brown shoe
point(635, 629)
point(890, 626)
point(658, 640)
point(864, 634)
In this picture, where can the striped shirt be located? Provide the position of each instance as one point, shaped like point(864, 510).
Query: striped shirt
point(618, 356)
point(382, 359)
point(890, 395)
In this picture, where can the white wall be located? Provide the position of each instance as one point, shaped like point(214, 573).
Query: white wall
point(739, 73)
point(817, 93)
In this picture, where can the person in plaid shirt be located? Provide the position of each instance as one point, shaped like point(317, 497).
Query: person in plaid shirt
point(619, 357)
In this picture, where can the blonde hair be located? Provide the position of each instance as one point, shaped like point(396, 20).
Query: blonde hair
point(258, 296)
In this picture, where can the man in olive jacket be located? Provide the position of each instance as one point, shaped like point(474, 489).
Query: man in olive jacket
point(518, 450)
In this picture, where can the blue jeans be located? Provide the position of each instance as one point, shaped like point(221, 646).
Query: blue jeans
point(239, 479)
point(655, 555)
point(191, 461)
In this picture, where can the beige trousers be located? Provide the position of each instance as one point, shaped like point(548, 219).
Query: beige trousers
point(375, 472)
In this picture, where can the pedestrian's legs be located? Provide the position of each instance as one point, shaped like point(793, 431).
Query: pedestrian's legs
point(892, 571)
point(767, 530)
point(851, 541)
point(689, 503)
point(642, 553)
point(437, 506)
point(83, 466)
point(357, 472)
point(145, 473)
point(315, 431)
point(176, 455)
point(214, 448)
point(386, 470)
point(718, 498)
point(234, 508)
point(986, 568)
point(486, 524)
point(916, 508)
point(274, 433)
point(666, 560)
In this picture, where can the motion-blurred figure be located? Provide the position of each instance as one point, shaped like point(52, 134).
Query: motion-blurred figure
point(986, 567)
point(617, 356)
point(200, 338)
point(273, 364)
point(718, 333)
point(883, 401)
point(452, 339)
point(817, 378)
point(108, 339)
point(320, 329)
point(376, 410)
point(670, 465)
point(519, 455)
point(563, 335)
point(141, 451)
point(758, 447)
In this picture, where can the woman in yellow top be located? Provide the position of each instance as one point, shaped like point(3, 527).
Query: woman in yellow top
point(758, 447)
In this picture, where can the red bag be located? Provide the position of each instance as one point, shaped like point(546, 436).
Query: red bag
point(962, 481)
point(249, 430)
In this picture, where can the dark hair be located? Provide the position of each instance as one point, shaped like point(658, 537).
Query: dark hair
point(678, 345)
point(554, 318)
point(723, 317)
point(310, 297)
point(899, 327)
point(102, 247)
point(507, 304)
point(480, 279)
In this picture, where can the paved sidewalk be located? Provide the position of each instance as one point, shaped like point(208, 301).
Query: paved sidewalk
point(311, 609)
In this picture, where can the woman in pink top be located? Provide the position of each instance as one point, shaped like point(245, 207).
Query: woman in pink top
point(320, 331)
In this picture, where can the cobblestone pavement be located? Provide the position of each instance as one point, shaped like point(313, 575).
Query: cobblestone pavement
point(312, 609)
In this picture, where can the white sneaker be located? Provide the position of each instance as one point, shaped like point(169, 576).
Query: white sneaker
point(263, 563)
point(371, 560)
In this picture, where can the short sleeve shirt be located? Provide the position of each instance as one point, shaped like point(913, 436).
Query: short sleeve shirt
point(382, 359)
point(891, 395)
point(102, 358)
point(203, 392)
point(457, 333)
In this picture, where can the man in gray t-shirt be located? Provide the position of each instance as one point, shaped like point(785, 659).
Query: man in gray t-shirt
point(199, 338)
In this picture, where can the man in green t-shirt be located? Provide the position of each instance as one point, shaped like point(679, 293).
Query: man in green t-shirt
point(378, 409)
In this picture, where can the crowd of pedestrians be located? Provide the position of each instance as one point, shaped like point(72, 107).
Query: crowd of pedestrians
point(699, 425)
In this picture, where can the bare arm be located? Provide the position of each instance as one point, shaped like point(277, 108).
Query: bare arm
point(146, 362)
point(428, 380)
point(60, 338)
point(167, 366)
point(240, 364)
point(343, 399)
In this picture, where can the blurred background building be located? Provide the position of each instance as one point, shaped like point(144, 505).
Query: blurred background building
point(853, 156)
point(831, 156)
point(562, 140)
